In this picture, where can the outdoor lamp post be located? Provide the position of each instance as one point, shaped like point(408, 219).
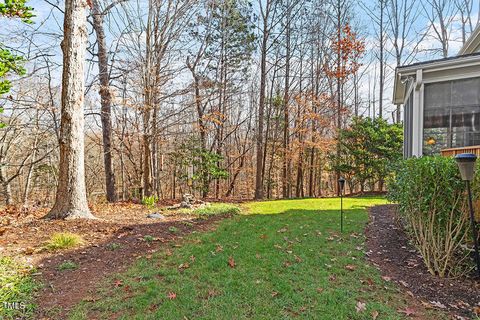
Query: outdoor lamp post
point(341, 184)
point(466, 164)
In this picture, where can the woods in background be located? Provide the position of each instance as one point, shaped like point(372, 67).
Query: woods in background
point(221, 99)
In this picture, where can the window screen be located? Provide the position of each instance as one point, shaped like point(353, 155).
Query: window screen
point(451, 115)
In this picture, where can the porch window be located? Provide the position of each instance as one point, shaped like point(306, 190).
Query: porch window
point(451, 115)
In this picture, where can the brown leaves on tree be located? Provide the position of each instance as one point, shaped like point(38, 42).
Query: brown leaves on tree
point(349, 49)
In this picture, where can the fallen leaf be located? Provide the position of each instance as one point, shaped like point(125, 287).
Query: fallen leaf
point(274, 294)
point(438, 304)
point(319, 290)
point(219, 248)
point(386, 278)
point(350, 267)
point(476, 310)
point(168, 252)
point(184, 266)
point(407, 311)
point(171, 295)
point(403, 283)
point(282, 230)
point(263, 236)
point(361, 306)
point(374, 314)
point(231, 262)
point(118, 283)
point(332, 277)
point(192, 258)
point(298, 259)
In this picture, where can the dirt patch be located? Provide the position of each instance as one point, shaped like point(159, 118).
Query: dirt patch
point(390, 251)
point(121, 234)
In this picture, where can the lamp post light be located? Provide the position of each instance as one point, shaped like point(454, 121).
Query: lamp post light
point(466, 164)
point(341, 184)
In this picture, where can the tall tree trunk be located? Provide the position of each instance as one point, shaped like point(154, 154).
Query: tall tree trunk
point(71, 198)
point(261, 112)
point(382, 62)
point(106, 101)
point(286, 132)
point(339, 86)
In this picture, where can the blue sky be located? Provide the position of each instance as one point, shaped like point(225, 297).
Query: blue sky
point(50, 34)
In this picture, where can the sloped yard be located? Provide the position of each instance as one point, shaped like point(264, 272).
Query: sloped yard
point(284, 259)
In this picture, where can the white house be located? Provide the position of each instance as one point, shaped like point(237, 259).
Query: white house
point(441, 101)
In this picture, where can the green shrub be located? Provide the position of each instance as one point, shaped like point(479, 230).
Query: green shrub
point(217, 209)
point(150, 201)
point(63, 240)
point(432, 204)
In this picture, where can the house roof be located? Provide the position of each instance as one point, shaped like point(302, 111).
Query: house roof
point(473, 42)
point(426, 64)
point(445, 64)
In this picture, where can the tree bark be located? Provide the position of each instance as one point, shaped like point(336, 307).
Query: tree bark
point(286, 130)
point(71, 198)
point(261, 113)
point(106, 101)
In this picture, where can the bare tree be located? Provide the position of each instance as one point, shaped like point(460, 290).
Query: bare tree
point(71, 199)
point(441, 16)
point(106, 99)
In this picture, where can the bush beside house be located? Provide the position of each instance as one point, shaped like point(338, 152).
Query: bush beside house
point(433, 206)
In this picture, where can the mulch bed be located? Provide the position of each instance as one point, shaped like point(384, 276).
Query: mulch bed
point(390, 250)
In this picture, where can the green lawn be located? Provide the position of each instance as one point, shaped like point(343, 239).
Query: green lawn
point(281, 260)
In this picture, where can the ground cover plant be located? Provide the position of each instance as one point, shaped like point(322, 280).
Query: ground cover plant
point(63, 240)
point(283, 259)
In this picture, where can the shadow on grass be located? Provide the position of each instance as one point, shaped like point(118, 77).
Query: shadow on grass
point(261, 266)
point(62, 289)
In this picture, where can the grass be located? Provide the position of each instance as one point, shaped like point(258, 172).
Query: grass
point(217, 209)
point(67, 265)
point(63, 240)
point(16, 286)
point(280, 260)
point(114, 246)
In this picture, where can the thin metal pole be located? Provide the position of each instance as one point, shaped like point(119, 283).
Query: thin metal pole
point(474, 228)
point(341, 210)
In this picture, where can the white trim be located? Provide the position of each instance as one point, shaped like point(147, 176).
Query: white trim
point(456, 77)
point(416, 123)
point(408, 91)
point(421, 118)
